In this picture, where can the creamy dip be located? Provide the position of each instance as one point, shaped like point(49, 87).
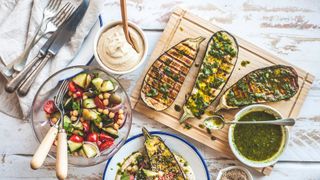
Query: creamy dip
point(116, 53)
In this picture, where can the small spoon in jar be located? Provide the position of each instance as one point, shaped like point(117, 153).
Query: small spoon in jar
point(218, 122)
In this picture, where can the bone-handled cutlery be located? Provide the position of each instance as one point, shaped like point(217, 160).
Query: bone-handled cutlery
point(45, 145)
point(44, 148)
point(62, 147)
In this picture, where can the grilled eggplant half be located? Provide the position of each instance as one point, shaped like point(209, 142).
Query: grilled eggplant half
point(161, 159)
point(270, 84)
point(165, 77)
point(217, 66)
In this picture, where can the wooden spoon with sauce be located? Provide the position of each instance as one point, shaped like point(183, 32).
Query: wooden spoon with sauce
point(124, 16)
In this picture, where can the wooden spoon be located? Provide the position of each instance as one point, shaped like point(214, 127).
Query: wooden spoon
point(124, 16)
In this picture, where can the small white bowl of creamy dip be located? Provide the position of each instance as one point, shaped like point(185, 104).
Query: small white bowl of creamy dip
point(114, 53)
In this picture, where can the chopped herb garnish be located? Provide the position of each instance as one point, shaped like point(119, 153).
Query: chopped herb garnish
point(152, 92)
point(201, 126)
point(177, 107)
point(76, 105)
point(187, 126)
point(208, 131)
point(244, 63)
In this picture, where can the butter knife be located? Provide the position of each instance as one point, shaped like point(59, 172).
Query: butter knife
point(26, 77)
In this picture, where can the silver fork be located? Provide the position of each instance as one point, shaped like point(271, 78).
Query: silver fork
point(50, 11)
point(52, 25)
point(62, 148)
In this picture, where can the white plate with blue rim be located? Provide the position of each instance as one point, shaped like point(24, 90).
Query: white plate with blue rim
point(177, 145)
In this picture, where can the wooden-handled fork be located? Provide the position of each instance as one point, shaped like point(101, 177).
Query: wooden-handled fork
point(62, 147)
point(44, 148)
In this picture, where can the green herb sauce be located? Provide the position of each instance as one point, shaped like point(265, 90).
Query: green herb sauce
point(258, 142)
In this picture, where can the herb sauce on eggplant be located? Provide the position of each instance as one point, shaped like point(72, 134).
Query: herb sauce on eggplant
point(165, 77)
point(218, 64)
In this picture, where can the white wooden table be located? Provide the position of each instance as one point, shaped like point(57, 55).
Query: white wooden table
point(289, 29)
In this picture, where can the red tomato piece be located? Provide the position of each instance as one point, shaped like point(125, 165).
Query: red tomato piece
point(104, 138)
point(105, 145)
point(76, 138)
point(92, 137)
point(99, 143)
point(49, 107)
point(86, 126)
point(79, 93)
point(98, 102)
point(72, 87)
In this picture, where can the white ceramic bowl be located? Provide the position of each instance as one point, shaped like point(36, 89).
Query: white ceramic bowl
point(177, 144)
point(240, 157)
point(110, 25)
point(234, 167)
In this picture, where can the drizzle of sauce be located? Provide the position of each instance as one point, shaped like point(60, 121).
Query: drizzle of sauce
point(177, 108)
point(244, 63)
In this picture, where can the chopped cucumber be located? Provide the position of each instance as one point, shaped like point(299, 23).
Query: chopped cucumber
point(97, 82)
point(73, 146)
point(98, 122)
point(82, 153)
point(67, 124)
point(88, 81)
point(107, 86)
point(90, 150)
point(78, 126)
point(89, 103)
point(111, 132)
point(89, 114)
point(80, 80)
point(149, 173)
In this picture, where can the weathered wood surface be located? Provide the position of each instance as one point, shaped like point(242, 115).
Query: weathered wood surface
point(289, 29)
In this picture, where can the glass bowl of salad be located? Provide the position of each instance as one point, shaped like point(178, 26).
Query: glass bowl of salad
point(97, 116)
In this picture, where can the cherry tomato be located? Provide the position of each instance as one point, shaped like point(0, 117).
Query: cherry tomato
point(72, 87)
point(99, 143)
point(104, 138)
point(79, 93)
point(98, 102)
point(92, 137)
point(76, 138)
point(105, 145)
point(86, 126)
point(49, 107)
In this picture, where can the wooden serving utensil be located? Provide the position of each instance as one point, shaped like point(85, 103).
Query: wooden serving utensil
point(44, 148)
point(124, 16)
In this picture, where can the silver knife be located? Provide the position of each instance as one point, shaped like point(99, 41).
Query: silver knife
point(26, 77)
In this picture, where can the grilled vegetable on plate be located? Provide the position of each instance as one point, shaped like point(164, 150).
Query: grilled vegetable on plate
point(165, 77)
point(161, 158)
point(150, 159)
point(217, 66)
point(269, 84)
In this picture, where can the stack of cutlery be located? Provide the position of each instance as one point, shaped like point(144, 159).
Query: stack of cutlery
point(60, 25)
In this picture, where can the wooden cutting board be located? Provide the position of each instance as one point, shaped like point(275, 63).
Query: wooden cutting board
point(183, 24)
